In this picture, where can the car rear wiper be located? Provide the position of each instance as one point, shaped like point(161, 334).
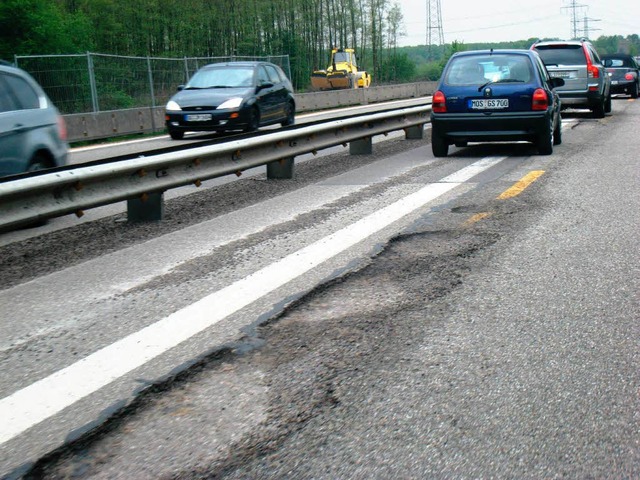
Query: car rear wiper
point(504, 80)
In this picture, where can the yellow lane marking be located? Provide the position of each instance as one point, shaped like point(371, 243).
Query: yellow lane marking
point(520, 185)
point(476, 218)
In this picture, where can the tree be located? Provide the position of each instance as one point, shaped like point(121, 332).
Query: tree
point(39, 27)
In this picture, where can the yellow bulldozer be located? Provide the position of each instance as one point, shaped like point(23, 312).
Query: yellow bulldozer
point(342, 72)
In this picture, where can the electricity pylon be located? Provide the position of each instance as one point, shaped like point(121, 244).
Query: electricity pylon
point(435, 35)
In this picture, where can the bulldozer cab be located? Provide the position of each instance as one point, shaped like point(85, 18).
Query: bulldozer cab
point(342, 56)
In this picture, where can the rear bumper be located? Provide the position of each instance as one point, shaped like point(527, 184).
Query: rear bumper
point(586, 99)
point(622, 86)
point(482, 127)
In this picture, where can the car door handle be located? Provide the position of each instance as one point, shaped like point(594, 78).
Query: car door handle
point(18, 127)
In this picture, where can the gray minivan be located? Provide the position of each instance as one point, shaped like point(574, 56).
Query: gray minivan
point(32, 131)
point(586, 83)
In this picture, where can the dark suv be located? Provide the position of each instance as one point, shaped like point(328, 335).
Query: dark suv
point(32, 131)
point(586, 83)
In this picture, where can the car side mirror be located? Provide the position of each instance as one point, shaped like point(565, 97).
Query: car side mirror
point(180, 87)
point(556, 82)
point(265, 85)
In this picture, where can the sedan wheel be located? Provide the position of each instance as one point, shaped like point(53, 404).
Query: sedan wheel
point(176, 135)
point(290, 118)
point(545, 141)
point(557, 133)
point(439, 145)
point(38, 162)
point(254, 121)
point(634, 91)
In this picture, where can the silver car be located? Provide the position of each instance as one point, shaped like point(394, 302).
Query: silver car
point(32, 131)
point(586, 83)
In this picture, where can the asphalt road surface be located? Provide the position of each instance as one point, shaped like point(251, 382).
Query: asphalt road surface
point(382, 316)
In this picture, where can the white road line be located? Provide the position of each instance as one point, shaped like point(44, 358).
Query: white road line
point(45, 398)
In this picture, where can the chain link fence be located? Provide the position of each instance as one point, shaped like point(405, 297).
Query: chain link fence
point(95, 82)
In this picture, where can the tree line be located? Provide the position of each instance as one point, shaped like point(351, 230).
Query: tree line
point(304, 30)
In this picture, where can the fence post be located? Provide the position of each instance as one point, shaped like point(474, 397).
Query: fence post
point(92, 84)
point(153, 95)
point(186, 70)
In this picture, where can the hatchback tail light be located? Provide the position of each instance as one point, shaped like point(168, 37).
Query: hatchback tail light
point(540, 100)
point(62, 128)
point(439, 103)
point(629, 76)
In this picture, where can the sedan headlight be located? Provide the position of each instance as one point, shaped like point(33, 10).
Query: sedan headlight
point(231, 103)
point(171, 105)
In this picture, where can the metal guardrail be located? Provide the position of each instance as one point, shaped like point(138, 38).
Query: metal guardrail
point(142, 181)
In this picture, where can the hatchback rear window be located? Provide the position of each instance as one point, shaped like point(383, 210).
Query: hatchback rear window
point(472, 70)
point(562, 54)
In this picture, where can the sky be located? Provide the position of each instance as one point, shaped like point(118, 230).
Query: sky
point(471, 21)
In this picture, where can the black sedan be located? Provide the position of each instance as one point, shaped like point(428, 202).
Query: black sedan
point(231, 96)
point(624, 72)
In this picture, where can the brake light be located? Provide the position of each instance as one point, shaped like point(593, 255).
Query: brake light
point(629, 76)
point(592, 70)
point(540, 100)
point(439, 103)
point(62, 128)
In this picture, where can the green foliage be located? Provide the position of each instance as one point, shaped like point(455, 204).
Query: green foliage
point(397, 68)
point(40, 27)
point(194, 28)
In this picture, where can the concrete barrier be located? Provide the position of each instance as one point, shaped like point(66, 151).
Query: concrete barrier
point(95, 126)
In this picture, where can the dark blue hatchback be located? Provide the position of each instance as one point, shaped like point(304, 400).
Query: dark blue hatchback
point(496, 95)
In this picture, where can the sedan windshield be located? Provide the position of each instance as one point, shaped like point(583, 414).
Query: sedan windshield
point(485, 69)
point(222, 77)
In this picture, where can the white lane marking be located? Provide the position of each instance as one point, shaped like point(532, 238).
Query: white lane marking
point(44, 398)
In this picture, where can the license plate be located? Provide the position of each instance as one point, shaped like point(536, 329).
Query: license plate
point(562, 74)
point(489, 103)
point(198, 117)
point(614, 82)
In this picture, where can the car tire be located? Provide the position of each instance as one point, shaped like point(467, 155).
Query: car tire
point(176, 135)
point(439, 145)
point(38, 162)
point(290, 115)
point(598, 110)
point(557, 133)
point(634, 91)
point(254, 120)
point(607, 104)
point(545, 140)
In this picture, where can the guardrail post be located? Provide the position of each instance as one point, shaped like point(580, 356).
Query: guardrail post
point(281, 169)
point(362, 146)
point(415, 132)
point(149, 208)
